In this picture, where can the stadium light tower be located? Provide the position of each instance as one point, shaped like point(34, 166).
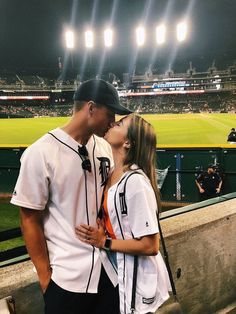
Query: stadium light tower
point(108, 37)
point(140, 36)
point(89, 39)
point(181, 31)
point(70, 39)
point(160, 34)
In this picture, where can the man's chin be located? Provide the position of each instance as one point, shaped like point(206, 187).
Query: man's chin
point(101, 133)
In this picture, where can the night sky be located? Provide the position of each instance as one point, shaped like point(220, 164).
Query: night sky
point(31, 34)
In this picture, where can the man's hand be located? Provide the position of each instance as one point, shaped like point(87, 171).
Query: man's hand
point(201, 190)
point(217, 190)
point(44, 280)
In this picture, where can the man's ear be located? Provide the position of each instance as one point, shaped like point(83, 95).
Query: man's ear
point(91, 107)
point(127, 144)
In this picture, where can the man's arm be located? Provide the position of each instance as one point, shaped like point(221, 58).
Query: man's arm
point(201, 190)
point(219, 186)
point(32, 229)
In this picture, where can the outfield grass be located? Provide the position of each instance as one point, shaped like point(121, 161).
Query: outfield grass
point(171, 129)
point(9, 219)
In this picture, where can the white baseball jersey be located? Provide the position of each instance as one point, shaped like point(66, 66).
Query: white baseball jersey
point(52, 179)
point(132, 209)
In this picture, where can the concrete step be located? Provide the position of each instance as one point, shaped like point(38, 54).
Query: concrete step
point(170, 307)
point(230, 309)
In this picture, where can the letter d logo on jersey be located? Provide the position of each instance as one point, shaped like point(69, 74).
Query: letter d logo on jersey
point(104, 169)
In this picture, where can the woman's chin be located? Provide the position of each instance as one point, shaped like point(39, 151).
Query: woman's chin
point(106, 136)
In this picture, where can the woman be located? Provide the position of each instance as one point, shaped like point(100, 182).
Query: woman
point(131, 197)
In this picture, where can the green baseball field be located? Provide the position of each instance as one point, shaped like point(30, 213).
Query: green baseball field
point(172, 129)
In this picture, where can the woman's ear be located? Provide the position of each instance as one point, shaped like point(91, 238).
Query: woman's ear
point(127, 144)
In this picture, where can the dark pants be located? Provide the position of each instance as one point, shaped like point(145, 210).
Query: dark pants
point(60, 301)
point(207, 196)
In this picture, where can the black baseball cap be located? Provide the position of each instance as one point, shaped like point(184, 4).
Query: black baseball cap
point(102, 93)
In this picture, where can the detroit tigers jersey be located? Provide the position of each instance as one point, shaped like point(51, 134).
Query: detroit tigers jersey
point(132, 209)
point(52, 179)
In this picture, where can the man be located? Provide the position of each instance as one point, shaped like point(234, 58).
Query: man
point(232, 136)
point(209, 183)
point(60, 185)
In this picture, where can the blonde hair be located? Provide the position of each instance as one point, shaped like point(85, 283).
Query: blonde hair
point(142, 151)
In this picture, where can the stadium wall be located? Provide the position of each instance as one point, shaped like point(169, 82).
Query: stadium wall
point(183, 163)
point(202, 253)
point(186, 163)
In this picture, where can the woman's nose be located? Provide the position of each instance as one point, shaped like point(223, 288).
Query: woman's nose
point(113, 123)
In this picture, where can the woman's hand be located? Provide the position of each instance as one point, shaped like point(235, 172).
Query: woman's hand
point(91, 235)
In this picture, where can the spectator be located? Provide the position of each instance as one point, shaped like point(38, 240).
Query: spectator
point(209, 183)
point(232, 136)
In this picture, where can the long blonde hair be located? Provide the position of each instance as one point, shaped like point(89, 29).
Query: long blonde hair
point(142, 151)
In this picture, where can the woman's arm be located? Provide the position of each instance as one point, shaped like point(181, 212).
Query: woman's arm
point(147, 245)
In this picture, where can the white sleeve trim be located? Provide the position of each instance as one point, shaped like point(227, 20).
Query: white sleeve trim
point(26, 205)
point(146, 233)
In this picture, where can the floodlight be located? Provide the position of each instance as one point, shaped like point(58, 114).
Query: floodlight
point(140, 36)
point(70, 43)
point(160, 34)
point(108, 37)
point(181, 31)
point(89, 39)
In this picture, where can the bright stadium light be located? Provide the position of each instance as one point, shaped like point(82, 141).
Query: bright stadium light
point(140, 36)
point(89, 39)
point(70, 40)
point(181, 31)
point(108, 37)
point(160, 34)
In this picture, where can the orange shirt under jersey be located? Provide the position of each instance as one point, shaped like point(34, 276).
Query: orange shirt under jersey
point(106, 218)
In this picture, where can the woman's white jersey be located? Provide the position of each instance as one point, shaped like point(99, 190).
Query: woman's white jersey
point(132, 209)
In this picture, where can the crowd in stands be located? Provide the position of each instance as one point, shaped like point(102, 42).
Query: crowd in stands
point(213, 101)
point(30, 111)
point(182, 103)
point(188, 103)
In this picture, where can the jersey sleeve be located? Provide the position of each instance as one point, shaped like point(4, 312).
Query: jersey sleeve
point(219, 179)
point(31, 190)
point(141, 206)
point(199, 178)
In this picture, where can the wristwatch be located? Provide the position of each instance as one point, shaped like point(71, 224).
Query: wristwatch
point(107, 244)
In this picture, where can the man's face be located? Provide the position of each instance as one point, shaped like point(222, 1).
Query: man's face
point(103, 118)
point(210, 170)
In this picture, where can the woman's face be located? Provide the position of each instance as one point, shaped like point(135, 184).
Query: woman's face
point(117, 134)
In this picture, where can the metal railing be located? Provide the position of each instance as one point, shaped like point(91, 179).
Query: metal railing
point(14, 255)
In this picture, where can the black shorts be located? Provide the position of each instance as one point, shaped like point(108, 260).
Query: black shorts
point(60, 301)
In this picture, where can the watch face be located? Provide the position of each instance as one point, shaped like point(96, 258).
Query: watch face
point(107, 244)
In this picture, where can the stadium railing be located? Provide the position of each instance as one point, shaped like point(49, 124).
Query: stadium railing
point(19, 254)
point(14, 255)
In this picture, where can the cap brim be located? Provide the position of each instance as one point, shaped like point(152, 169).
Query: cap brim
point(118, 109)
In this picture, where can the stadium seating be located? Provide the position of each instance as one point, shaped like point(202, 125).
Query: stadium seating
point(178, 103)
